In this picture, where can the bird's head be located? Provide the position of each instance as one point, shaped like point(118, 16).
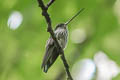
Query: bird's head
point(61, 25)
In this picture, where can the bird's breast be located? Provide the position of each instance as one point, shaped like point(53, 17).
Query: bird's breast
point(62, 36)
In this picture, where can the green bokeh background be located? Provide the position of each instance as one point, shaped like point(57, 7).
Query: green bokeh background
point(22, 50)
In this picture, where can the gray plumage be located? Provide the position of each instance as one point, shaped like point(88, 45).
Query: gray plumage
point(52, 53)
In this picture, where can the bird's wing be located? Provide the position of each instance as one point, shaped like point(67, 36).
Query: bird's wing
point(51, 60)
point(49, 51)
point(51, 55)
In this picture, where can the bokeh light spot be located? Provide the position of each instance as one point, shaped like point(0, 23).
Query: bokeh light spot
point(14, 20)
point(84, 70)
point(106, 68)
point(78, 36)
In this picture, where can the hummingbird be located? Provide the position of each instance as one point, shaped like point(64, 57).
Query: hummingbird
point(52, 53)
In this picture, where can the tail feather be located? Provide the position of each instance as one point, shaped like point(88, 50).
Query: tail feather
point(45, 68)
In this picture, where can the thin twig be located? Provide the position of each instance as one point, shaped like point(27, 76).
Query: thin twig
point(50, 3)
point(50, 30)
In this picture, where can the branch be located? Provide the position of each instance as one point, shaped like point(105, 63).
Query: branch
point(50, 3)
point(50, 30)
point(75, 56)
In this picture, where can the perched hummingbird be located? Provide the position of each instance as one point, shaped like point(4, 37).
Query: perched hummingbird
point(51, 52)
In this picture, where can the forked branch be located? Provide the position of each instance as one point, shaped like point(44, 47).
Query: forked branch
point(50, 30)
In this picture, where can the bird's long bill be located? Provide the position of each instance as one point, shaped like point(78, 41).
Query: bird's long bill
point(74, 16)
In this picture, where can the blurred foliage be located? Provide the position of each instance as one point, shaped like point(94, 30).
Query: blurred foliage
point(22, 50)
